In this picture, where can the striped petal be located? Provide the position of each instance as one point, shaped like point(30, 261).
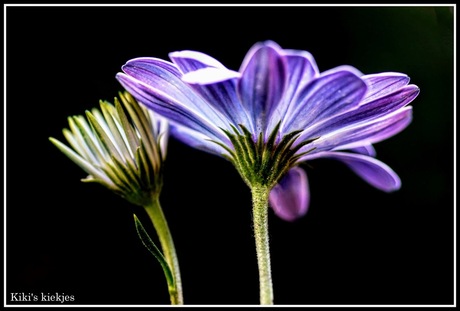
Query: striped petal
point(197, 140)
point(157, 84)
point(262, 83)
point(384, 83)
point(362, 133)
point(324, 98)
point(301, 69)
point(365, 113)
point(375, 172)
point(188, 61)
point(367, 149)
point(214, 83)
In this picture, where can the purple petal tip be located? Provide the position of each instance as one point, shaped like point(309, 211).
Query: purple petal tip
point(290, 197)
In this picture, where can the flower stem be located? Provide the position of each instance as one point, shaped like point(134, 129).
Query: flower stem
point(260, 218)
point(161, 226)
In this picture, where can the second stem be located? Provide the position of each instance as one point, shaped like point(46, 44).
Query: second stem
point(169, 251)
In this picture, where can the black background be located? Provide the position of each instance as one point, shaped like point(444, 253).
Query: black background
point(356, 245)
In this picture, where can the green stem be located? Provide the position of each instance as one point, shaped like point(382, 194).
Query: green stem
point(260, 218)
point(161, 226)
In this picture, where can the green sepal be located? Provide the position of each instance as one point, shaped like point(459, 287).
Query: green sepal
point(263, 161)
point(153, 249)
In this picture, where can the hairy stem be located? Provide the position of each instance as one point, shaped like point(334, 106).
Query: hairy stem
point(260, 218)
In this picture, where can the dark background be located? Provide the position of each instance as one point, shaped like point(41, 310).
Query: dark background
point(356, 245)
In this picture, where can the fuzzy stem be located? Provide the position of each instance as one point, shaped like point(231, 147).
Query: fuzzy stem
point(161, 226)
point(260, 218)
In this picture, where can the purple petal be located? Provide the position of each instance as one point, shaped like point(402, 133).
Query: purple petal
point(384, 83)
point(157, 84)
point(324, 98)
point(192, 60)
point(262, 83)
point(222, 96)
point(375, 172)
point(365, 113)
point(167, 107)
point(301, 69)
point(209, 75)
point(164, 79)
point(368, 150)
point(197, 140)
point(340, 68)
point(199, 68)
point(214, 83)
point(290, 197)
point(362, 133)
point(255, 48)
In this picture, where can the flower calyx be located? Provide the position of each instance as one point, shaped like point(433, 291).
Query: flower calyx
point(263, 161)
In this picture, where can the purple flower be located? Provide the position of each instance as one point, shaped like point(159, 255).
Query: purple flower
point(277, 111)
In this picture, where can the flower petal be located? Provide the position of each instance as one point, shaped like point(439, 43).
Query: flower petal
point(210, 79)
point(301, 69)
point(340, 68)
point(367, 149)
point(384, 83)
point(221, 95)
point(262, 83)
point(206, 76)
point(197, 140)
point(188, 60)
point(365, 113)
point(361, 134)
point(161, 103)
point(199, 68)
point(165, 80)
point(157, 84)
point(324, 98)
point(375, 172)
point(290, 197)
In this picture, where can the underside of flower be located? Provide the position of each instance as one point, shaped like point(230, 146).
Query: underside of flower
point(263, 161)
point(253, 116)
